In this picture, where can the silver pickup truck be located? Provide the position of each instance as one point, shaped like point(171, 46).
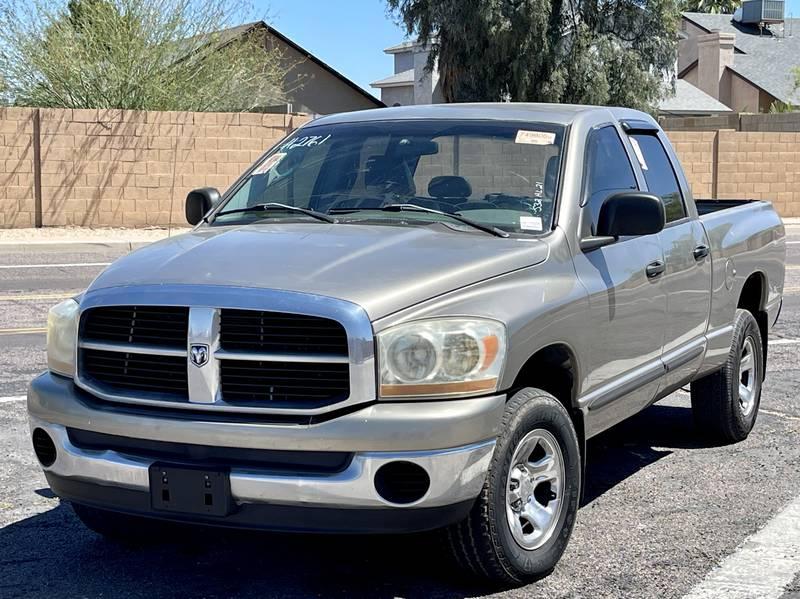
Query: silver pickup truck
point(410, 319)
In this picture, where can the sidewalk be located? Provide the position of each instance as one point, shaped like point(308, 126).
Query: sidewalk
point(61, 235)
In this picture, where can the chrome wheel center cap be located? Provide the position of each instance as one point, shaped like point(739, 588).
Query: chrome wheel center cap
point(534, 489)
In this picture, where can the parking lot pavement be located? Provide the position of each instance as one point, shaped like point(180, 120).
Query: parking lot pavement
point(663, 508)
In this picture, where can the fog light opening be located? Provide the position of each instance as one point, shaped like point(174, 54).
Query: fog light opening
point(44, 447)
point(402, 482)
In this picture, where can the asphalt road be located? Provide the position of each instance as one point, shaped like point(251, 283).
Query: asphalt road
point(662, 508)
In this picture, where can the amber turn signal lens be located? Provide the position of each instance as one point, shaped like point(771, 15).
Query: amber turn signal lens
point(438, 388)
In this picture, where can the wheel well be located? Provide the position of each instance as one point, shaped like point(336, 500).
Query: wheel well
point(553, 369)
point(752, 299)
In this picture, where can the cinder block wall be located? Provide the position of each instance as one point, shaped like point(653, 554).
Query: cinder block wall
point(757, 165)
point(775, 122)
point(16, 168)
point(128, 168)
point(696, 152)
point(125, 168)
point(762, 166)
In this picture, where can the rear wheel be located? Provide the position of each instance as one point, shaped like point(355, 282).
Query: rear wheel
point(725, 403)
point(523, 518)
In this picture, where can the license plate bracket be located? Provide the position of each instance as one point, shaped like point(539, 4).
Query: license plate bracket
point(190, 490)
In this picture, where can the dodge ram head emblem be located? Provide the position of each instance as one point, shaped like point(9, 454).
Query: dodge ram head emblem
point(198, 354)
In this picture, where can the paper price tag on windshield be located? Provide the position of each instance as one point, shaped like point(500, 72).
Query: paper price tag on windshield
point(530, 223)
point(536, 138)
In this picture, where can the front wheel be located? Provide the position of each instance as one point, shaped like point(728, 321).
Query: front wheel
point(522, 520)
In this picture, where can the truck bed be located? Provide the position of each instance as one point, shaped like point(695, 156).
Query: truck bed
point(708, 206)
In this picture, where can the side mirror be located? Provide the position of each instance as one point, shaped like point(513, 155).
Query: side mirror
point(630, 213)
point(199, 202)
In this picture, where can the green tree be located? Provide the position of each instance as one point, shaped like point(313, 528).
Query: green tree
point(726, 7)
point(135, 54)
point(609, 52)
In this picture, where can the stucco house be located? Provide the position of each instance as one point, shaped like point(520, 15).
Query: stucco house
point(745, 67)
point(311, 85)
point(411, 83)
point(723, 66)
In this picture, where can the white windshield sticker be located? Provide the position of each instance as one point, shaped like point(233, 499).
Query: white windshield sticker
point(269, 163)
point(530, 223)
point(307, 141)
point(536, 138)
point(638, 151)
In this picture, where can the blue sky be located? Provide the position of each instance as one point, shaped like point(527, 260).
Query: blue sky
point(350, 35)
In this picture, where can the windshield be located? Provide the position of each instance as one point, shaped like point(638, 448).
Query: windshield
point(499, 174)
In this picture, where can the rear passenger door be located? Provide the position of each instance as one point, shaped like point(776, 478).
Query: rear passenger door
point(687, 278)
point(623, 368)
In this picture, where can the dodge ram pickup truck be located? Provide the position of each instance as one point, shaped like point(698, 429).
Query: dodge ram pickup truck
point(410, 319)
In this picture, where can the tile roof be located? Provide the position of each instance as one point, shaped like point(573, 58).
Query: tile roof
point(767, 59)
point(401, 47)
point(396, 80)
point(690, 99)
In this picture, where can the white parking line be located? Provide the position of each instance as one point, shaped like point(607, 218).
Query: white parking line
point(778, 414)
point(762, 567)
point(12, 399)
point(784, 341)
point(9, 266)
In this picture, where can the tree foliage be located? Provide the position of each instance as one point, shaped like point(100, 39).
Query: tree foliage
point(134, 54)
point(726, 7)
point(609, 52)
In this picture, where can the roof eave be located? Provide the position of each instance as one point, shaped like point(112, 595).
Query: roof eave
point(272, 31)
point(380, 85)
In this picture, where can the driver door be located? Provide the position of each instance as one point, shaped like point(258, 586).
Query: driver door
point(623, 368)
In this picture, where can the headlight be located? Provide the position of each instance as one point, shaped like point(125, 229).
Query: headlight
point(453, 356)
point(62, 336)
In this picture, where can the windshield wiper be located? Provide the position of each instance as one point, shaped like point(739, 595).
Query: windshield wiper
point(467, 221)
point(281, 207)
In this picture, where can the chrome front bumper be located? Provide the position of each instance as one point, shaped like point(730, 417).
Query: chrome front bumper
point(456, 474)
point(452, 440)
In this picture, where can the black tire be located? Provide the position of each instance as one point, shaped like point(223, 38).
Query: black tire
point(124, 529)
point(718, 412)
point(483, 543)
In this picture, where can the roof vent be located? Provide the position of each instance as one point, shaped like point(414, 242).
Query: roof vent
point(762, 11)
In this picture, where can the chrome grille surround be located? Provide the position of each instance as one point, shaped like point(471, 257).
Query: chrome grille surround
point(204, 303)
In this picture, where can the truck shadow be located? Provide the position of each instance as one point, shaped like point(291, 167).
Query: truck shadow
point(636, 443)
point(53, 554)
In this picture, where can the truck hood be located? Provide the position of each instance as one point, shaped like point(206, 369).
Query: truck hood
point(381, 268)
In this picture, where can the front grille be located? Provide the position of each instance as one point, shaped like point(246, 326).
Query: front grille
point(143, 325)
point(257, 331)
point(136, 372)
point(203, 358)
point(280, 384)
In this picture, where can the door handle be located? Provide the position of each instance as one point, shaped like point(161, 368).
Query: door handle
point(654, 269)
point(700, 252)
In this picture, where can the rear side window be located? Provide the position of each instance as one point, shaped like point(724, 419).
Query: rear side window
point(659, 174)
point(608, 170)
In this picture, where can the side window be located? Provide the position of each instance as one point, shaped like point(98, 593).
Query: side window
point(607, 170)
point(659, 174)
